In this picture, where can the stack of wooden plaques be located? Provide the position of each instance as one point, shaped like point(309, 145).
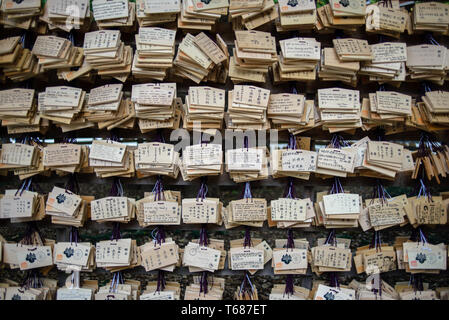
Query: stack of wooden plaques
point(155, 104)
point(252, 18)
point(20, 14)
point(431, 16)
point(201, 160)
point(157, 12)
point(253, 55)
point(298, 60)
point(435, 107)
point(286, 110)
point(17, 63)
point(247, 108)
point(201, 59)
point(111, 159)
point(333, 69)
point(296, 15)
point(204, 108)
point(339, 109)
point(201, 15)
point(333, 17)
point(427, 62)
point(114, 13)
point(155, 48)
point(56, 53)
point(105, 52)
point(388, 64)
point(386, 20)
point(62, 104)
point(156, 158)
point(67, 15)
point(351, 49)
point(247, 164)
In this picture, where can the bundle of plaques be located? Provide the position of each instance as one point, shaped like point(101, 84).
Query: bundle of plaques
point(251, 212)
point(201, 15)
point(247, 108)
point(25, 160)
point(20, 14)
point(388, 107)
point(67, 15)
point(203, 210)
point(156, 158)
point(146, 214)
point(414, 254)
point(289, 259)
point(79, 218)
point(200, 257)
point(65, 206)
point(278, 293)
point(107, 107)
point(330, 17)
point(320, 291)
point(155, 105)
point(106, 53)
point(335, 257)
point(116, 290)
point(200, 160)
point(334, 161)
point(339, 109)
point(162, 255)
point(253, 55)
point(18, 107)
point(22, 206)
point(65, 158)
point(339, 210)
point(253, 15)
point(295, 163)
point(291, 213)
point(427, 62)
point(111, 159)
point(114, 209)
point(155, 48)
point(61, 105)
point(386, 20)
point(70, 256)
point(16, 62)
point(431, 16)
point(56, 53)
point(196, 291)
point(364, 293)
point(247, 164)
point(386, 158)
point(296, 15)
point(286, 110)
point(298, 60)
point(333, 69)
point(351, 49)
point(199, 58)
point(204, 108)
point(116, 255)
point(388, 64)
point(435, 107)
point(157, 12)
point(114, 13)
point(171, 291)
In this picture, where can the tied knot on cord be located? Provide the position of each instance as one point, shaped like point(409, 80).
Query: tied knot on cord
point(290, 191)
point(247, 191)
point(32, 280)
point(158, 190)
point(116, 188)
point(336, 186)
point(338, 142)
point(247, 243)
point(424, 191)
point(379, 192)
point(376, 242)
point(158, 235)
point(431, 40)
point(25, 186)
point(74, 235)
point(202, 192)
point(416, 282)
point(117, 279)
point(116, 234)
point(160, 281)
point(203, 241)
point(246, 288)
point(292, 142)
point(204, 285)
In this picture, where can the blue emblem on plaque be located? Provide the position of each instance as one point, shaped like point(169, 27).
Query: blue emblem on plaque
point(286, 258)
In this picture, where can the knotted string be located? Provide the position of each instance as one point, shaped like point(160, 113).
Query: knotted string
point(24, 187)
point(203, 284)
point(290, 192)
point(246, 288)
point(32, 280)
point(203, 241)
point(116, 235)
point(336, 186)
point(72, 185)
point(203, 190)
point(158, 190)
point(116, 188)
point(290, 240)
point(431, 39)
point(247, 240)
point(247, 192)
point(289, 285)
point(160, 281)
point(424, 191)
point(158, 235)
point(376, 242)
point(292, 142)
